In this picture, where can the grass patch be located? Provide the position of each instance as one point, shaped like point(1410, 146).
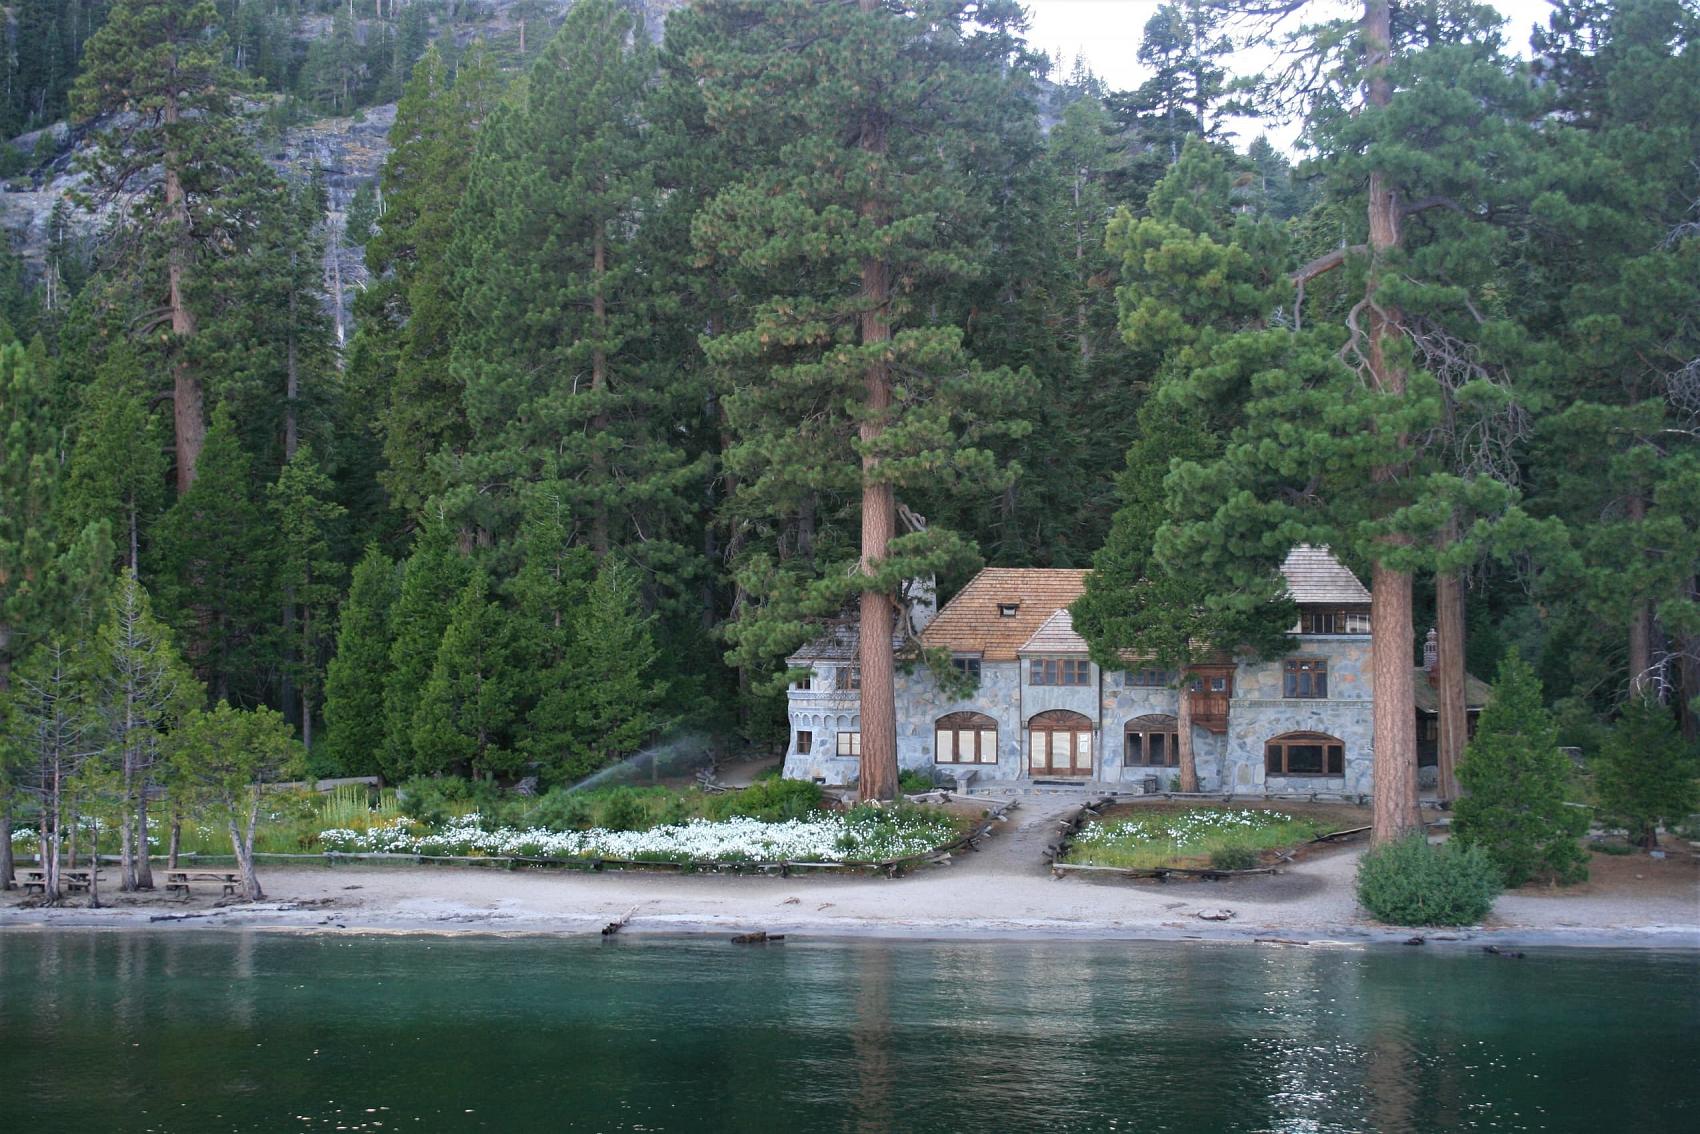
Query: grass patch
point(1219, 838)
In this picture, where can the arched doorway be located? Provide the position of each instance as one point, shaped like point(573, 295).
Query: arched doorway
point(1151, 741)
point(1059, 743)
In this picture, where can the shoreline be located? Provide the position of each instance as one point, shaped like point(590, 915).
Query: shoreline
point(1003, 891)
point(1651, 938)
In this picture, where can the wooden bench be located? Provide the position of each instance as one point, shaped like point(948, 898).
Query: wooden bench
point(180, 879)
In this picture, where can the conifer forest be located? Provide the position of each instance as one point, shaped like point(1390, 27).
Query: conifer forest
point(666, 333)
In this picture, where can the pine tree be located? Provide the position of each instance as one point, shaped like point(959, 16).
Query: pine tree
point(155, 77)
point(1646, 772)
point(357, 673)
point(1334, 408)
point(409, 314)
point(560, 390)
point(547, 594)
point(846, 389)
point(608, 700)
point(308, 575)
point(466, 708)
point(431, 582)
point(47, 736)
point(216, 565)
point(144, 690)
point(117, 468)
point(1515, 780)
point(31, 453)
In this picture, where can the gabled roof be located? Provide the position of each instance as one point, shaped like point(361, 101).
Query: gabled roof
point(1056, 636)
point(1315, 576)
point(971, 622)
point(1427, 697)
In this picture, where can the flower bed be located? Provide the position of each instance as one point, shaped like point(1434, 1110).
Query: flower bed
point(858, 836)
point(1223, 838)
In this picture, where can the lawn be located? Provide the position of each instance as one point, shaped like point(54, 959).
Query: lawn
point(1145, 837)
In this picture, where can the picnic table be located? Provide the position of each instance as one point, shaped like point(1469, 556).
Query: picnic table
point(180, 879)
point(35, 880)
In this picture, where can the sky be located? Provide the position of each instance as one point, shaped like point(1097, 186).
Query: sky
point(1107, 33)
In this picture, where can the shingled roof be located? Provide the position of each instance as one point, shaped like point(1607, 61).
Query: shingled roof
point(1314, 576)
point(1056, 636)
point(973, 621)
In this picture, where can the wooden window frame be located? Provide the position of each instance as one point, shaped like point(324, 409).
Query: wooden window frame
point(968, 667)
point(1277, 760)
point(805, 683)
point(980, 730)
point(1143, 728)
point(849, 743)
point(848, 679)
point(805, 741)
point(1336, 621)
point(1304, 679)
point(1072, 672)
point(1148, 678)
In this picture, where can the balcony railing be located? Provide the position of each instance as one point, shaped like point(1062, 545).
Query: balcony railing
point(1209, 710)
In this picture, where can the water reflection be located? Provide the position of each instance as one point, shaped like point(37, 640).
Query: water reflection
point(315, 1033)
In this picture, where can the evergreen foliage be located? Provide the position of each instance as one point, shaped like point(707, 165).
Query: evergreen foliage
point(431, 582)
point(1410, 882)
point(461, 722)
point(1515, 779)
point(1646, 773)
point(358, 672)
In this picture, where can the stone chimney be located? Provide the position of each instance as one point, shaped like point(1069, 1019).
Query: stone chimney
point(1431, 656)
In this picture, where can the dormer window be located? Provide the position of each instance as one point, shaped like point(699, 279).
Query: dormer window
point(1008, 609)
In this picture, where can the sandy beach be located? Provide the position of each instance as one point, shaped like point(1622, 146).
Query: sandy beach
point(1001, 891)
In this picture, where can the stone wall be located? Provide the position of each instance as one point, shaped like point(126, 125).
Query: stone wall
point(1226, 762)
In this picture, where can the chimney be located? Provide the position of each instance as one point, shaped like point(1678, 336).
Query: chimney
point(1431, 656)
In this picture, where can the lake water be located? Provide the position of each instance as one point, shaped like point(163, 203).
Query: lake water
point(204, 1031)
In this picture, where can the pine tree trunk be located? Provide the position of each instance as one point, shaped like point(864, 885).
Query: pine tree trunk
point(879, 512)
point(187, 412)
point(176, 842)
point(292, 380)
point(1449, 674)
point(94, 866)
point(7, 866)
point(243, 843)
point(1394, 713)
point(144, 862)
point(126, 857)
point(1183, 738)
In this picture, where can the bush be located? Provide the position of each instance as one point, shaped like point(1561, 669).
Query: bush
point(769, 800)
point(1409, 882)
point(911, 782)
point(622, 809)
point(1233, 858)
point(1515, 781)
point(562, 809)
point(1645, 773)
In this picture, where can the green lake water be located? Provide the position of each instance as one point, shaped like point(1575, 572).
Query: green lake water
point(206, 1031)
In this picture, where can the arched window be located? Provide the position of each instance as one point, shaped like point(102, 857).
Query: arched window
point(1151, 741)
point(1059, 743)
point(1305, 754)
point(965, 738)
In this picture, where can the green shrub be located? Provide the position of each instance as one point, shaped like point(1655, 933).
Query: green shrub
point(769, 800)
point(1409, 882)
point(911, 782)
point(1515, 782)
point(562, 809)
point(622, 809)
point(1233, 858)
point(1645, 773)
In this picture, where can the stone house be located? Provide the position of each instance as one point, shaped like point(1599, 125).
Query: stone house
point(1043, 710)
